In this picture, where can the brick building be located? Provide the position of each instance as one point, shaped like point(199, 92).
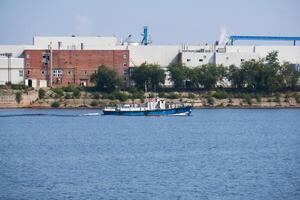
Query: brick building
point(70, 66)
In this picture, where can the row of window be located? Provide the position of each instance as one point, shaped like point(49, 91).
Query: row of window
point(46, 56)
point(201, 60)
point(124, 64)
point(189, 60)
point(56, 72)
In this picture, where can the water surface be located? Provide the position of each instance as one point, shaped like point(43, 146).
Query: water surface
point(214, 154)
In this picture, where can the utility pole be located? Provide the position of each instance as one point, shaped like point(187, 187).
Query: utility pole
point(51, 64)
point(9, 67)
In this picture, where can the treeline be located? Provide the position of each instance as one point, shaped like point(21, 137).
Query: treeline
point(263, 75)
point(147, 77)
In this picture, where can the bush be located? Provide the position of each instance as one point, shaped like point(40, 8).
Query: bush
point(110, 96)
point(161, 94)
point(8, 83)
point(277, 97)
point(55, 104)
point(94, 103)
point(137, 95)
point(297, 98)
point(220, 94)
point(116, 95)
point(151, 95)
point(258, 98)
point(58, 91)
point(121, 96)
point(17, 86)
point(248, 99)
point(42, 93)
point(96, 96)
point(239, 95)
point(76, 93)
point(192, 96)
point(210, 101)
point(173, 95)
point(69, 88)
point(18, 97)
point(68, 96)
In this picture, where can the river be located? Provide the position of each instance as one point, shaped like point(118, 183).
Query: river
point(213, 154)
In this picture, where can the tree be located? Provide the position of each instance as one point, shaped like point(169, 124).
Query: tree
point(194, 75)
point(106, 80)
point(236, 77)
point(272, 59)
point(290, 75)
point(148, 77)
point(210, 74)
point(274, 75)
point(255, 75)
point(263, 74)
point(179, 75)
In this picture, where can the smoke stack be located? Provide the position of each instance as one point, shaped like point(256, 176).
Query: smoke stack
point(223, 39)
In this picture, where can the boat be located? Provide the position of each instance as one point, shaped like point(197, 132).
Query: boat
point(152, 107)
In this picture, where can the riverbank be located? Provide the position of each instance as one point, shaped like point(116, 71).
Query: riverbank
point(58, 98)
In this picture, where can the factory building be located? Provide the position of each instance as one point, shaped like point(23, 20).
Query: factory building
point(235, 55)
point(14, 74)
point(12, 63)
point(59, 61)
point(70, 66)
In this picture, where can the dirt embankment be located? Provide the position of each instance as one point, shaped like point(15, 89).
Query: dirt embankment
point(30, 99)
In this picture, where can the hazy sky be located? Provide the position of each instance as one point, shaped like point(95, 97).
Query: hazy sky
point(170, 21)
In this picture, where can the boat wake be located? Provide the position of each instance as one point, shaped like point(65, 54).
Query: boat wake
point(182, 114)
point(51, 115)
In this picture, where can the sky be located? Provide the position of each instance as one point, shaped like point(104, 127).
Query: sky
point(169, 21)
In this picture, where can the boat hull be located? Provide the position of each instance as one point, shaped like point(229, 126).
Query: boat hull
point(174, 111)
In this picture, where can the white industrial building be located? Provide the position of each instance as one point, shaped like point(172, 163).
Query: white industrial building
point(14, 73)
point(163, 55)
point(235, 55)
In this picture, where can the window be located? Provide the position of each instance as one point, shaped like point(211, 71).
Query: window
point(27, 55)
point(124, 56)
point(28, 72)
point(200, 60)
point(204, 56)
point(27, 64)
point(188, 60)
point(69, 72)
point(57, 73)
point(85, 72)
point(43, 72)
point(242, 60)
point(21, 73)
point(124, 64)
